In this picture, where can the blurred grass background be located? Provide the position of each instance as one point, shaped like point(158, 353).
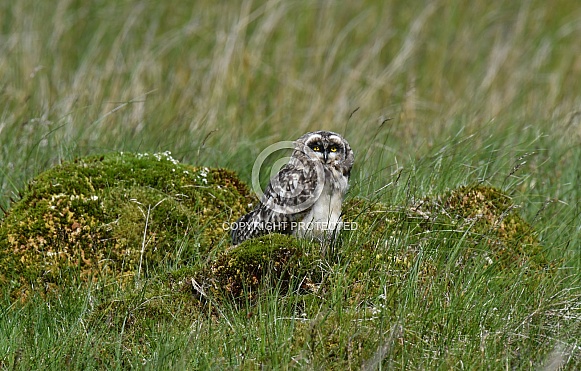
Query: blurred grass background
point(430, 94)
point(217, 82)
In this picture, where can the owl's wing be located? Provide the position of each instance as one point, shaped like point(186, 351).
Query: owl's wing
point(287, 198)
point(294, 189)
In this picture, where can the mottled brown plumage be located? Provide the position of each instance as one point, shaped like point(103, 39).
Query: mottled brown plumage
point(304, 198)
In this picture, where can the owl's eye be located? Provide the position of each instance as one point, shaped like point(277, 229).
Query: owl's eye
point(333, 149)
point(316, 148)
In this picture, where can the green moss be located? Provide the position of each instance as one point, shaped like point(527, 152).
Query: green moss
point(110, 215)
point(241, 271)
point(94, 216)
point(490, 224)
point(480, 221)
point(435, 237)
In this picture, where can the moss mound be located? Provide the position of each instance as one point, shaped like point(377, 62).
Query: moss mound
point(358, 281)
point(122, 214)
point(479, 222)
point(115, 214)
point(243, 270)
point(476, 227)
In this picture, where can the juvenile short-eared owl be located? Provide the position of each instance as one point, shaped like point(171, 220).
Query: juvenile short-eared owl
point(304, 198)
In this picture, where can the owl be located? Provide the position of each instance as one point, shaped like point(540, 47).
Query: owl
point(304, 198)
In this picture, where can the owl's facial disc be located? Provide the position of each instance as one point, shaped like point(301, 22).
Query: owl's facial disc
point(328, 149)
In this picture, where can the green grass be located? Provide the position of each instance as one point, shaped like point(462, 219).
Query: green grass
point(431, 96)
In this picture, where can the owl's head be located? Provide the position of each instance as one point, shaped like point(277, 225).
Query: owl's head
point(329, 147)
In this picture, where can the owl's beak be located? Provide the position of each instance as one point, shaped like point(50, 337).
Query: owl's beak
point(325, 155)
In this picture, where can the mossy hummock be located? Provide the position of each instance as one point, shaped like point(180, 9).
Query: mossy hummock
point(116, 213)
point(120, 214)
point(482, 220)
